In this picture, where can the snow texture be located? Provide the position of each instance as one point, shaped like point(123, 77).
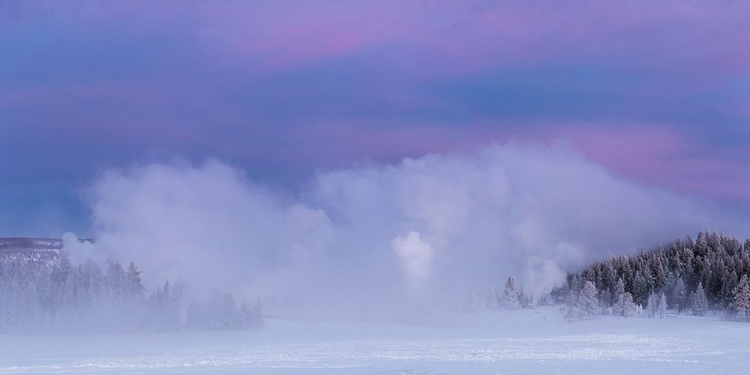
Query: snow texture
point(518, 341)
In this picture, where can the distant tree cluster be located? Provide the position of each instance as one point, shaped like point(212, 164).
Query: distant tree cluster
point(54, 296)
point(221, 312)
point(695, 277)
point(512, 297)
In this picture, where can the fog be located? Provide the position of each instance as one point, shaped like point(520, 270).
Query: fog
point(424, 231)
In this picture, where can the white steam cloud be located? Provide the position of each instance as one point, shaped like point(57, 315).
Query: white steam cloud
point(416, 258)
point(470, 222)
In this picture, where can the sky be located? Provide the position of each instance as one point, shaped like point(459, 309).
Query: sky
point(655, 93)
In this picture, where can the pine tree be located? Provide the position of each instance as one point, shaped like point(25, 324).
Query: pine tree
point(662, 311)
point(135, 286)
point(628, 306)
point(527, 300)
point(510, 294)
point(741, 300)
point(619, 288)
point(640, 289)
point(92, 281)
point(653, 305)
point(619, 292)
point(700, 302)
point(605, 298)
point(679, 295)
point(728, 283)
point(115, 279)
point(587, 299)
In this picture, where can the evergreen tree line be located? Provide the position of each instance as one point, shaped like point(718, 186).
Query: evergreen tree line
point(690, 277)
point(50, 296)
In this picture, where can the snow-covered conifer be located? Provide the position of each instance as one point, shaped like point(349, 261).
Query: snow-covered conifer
point(741, 300)
point(527, 300)
point(628, 306)
point(135, 286)
point(640, 289)
point(653, 305)
point(619, 305)
point(679, 295)
point(700, 302)
point(662, 311)
point(510, 294)
point(619, 288)
point(605, 298)
point(587, 299)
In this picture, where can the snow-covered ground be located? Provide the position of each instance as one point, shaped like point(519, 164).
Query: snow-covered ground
point(503, 342)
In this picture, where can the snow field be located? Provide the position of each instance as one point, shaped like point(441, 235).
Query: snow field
point(515, 342)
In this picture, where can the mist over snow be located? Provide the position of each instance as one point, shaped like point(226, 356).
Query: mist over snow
point(426, 229)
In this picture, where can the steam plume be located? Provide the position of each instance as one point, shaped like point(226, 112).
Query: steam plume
point(470, 221)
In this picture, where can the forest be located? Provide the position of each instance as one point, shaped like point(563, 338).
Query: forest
point(43, 295)
point(709, 275)
point(50, 295)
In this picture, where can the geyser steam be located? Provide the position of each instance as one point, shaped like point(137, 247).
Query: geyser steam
point(439, 225)
point(416, 258)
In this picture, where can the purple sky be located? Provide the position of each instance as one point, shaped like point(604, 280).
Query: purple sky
point(658, 92)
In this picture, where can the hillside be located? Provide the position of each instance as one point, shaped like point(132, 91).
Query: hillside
point(31, 247)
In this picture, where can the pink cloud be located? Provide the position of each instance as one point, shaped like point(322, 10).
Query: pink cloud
point(463, 37)
point(428, 38)
point(646, 153)
point(660, 156)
